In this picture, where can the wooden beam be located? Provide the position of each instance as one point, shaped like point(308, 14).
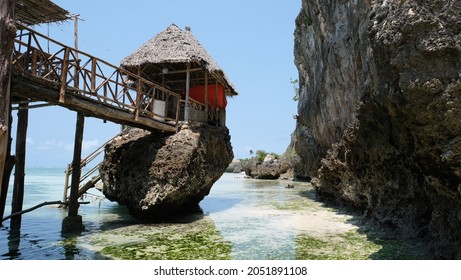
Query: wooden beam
point(19, 171)
point(76, 171)
point(180, 71)
point(32, 106)
point(7, 34)
point(73, 222)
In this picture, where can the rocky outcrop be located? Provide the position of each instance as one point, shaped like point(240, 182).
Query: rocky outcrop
point(157, 175)
point(270, 168)
point(379, 121)
point(332, 56)
point(235, 167)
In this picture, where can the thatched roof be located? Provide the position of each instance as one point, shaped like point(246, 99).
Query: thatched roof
point(175, 46)
point(32, 12)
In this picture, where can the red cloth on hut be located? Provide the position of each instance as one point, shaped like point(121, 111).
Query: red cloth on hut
point(198, 93)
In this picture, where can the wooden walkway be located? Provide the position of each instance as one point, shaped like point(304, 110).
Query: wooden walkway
point(48, 71)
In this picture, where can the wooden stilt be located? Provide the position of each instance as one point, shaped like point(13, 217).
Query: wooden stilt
point(7, 33)
point(9, 164)
point(73, 222)
point(19, 171)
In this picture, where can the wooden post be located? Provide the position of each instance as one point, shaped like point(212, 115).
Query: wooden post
point(138, 95)
point(65, 69)
point(178, 110)
point(73, 222)
point(76, 34)
point(186, 108)
point(7, 34)
point(152, 102)
point(19, 171)
point(93, 75)
point(77, 62)
point(66, 183)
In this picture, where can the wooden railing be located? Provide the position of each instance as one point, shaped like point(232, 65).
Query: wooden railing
point(71, 71)
point(84, 162)
point(207, 114)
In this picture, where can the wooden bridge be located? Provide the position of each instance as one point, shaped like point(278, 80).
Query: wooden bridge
point(81, 82)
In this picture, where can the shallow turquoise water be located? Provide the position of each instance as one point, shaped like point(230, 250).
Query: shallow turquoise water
point(251, 215)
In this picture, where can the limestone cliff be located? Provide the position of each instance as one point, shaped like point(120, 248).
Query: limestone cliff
point(379, 123)
point(157, 175)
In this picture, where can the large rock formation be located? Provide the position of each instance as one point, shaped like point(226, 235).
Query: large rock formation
point(379, 121)
point(158, 175)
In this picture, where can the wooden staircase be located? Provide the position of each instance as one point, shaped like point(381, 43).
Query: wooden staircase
point(86, 184)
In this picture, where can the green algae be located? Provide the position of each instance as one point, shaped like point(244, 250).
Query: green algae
point(289, 205)
point(354, 245)
point(196, 241)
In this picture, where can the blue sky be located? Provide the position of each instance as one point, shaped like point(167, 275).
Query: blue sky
point(252, 41)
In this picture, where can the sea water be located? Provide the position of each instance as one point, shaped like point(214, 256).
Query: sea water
point(241, 218)
point(248, 214)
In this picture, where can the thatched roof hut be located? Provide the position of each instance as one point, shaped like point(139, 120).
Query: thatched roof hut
point(164, 59)
point(31, 12)
point(176, 60)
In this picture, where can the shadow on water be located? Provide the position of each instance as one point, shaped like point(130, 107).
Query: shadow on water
point(310, 194)
point(219, 204)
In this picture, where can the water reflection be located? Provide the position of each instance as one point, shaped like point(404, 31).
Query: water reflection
point(70, 248)
point(14, 239)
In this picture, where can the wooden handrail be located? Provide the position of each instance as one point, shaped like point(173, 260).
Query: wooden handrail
point(85, 76)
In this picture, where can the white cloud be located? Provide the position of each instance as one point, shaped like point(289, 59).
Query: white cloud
point(69, 147)
point(90, 145)
point(30, 141)
point(51, 145)
point(59, 146)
